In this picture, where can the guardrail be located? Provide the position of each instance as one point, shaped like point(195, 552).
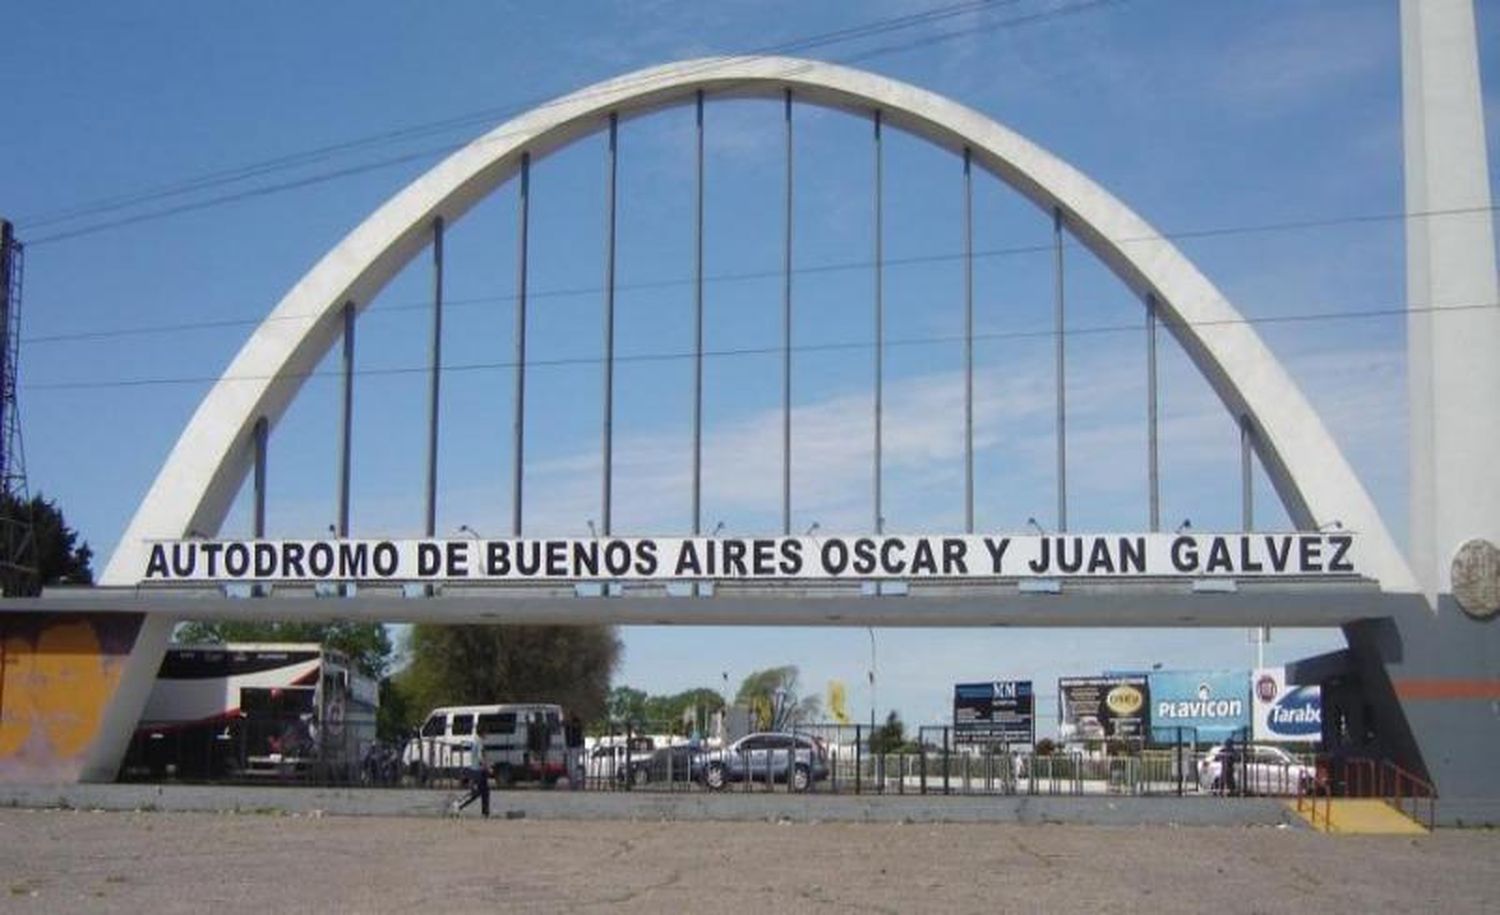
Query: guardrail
point(1360, 777)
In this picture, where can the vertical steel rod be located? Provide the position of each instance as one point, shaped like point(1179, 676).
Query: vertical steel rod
point(261, 434)
point(698, 330)
point(786, 340)
point(1153, 472)
point(435, 363)
point(1247, 466)
point(879, 321)
point(1062, 397)
point(518, 446)
point(968, 342)
point(346, 420)
point(609, 324)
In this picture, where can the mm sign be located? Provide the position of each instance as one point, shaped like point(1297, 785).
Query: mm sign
point(757, 558)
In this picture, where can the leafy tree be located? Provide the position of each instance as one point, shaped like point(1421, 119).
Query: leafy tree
point(772, 696)
point(889, 737)
point(626, 704)
point(461, 665)
point(53, 554)
point(367, 645)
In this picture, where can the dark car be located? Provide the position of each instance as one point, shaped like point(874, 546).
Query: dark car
point(797, 759)
point(667, 764)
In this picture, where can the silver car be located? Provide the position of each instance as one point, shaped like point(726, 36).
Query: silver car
point(1257, 770)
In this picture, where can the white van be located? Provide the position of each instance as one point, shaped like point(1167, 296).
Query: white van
point(522, 742)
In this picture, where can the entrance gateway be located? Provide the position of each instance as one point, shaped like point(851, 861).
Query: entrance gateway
point(1417, 685)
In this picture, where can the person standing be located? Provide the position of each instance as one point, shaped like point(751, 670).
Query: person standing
point(479, 777)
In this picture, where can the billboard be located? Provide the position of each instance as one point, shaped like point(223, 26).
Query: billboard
point(1284, 713)
point(1000, 711)
point(1202, 706)
point(1098, 708)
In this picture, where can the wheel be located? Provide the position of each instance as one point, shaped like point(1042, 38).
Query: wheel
point(801, 778)
point(714, 777)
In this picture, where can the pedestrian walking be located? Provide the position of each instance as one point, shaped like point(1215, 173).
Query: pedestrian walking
point(479, 777)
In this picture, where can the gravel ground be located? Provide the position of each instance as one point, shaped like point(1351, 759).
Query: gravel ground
point(80, 861)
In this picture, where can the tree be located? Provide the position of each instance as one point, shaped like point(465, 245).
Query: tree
point(889, 737)
point(772, 696)
point(54, 554)
point(367, 645)
point(464, 665)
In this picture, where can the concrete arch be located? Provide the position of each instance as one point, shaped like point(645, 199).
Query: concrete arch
point(198, 482)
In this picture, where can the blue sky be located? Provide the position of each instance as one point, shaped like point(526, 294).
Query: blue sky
point(1240, 116)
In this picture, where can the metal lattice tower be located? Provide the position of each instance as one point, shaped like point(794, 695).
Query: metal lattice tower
point(17, 534)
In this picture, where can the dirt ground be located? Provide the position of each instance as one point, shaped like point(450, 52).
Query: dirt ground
point(79, 861)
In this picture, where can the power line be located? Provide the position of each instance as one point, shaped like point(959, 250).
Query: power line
point(486, 115)
point(324, 177)
point(743, 276)
point(833, 346)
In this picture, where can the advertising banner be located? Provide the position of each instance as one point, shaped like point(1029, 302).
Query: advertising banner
point(997, 712)
point(756, 558)
point(1199, 706)
point(1285, 713)
point(1098, 708)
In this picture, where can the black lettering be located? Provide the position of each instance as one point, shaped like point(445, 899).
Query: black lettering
point(1248, 562)
point(1341, 544)
point(320, 559)
point(835, 556)
point(687, 560)
point(791, 557)
point(1185, 554)
point(955, 556)
point(734, 558)
point(184, 559)
point(387, 559)
point(923, 562)
point(236, 560)
point(265, 560)
point(497, 558)
point(1042, 562)
point(291, 560)
point(1100, 559)
point(1310, 553)
point(429, 559)
point(210, 553)
point(864, 556)
point(1066, 563)
point(763, 559)
point(1279, 557)
point(1219, 559)
point(646, 561)
point(529, 558)
point(889, 565)
point(156, 566)
point(557, 559)
point(1133, 555)
point(996, 549)
point(457, 559)
point(354, 560)
point(586, 558)
point(617, 558)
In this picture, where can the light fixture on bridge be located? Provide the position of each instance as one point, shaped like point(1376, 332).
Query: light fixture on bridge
point(1186, 525)
point(811, 528)
point(1032, 522)
point(333, 530)
point(717, 527)
point(1334, 525)
point(593, 531)
point(465, 529)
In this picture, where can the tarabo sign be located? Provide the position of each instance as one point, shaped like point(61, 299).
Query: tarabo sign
point(1099, 708)
point(756, 558)
point(996, 712)
point(1199, 706)
point(1281, 712)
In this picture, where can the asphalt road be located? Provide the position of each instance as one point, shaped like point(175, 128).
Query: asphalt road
point(82, 861)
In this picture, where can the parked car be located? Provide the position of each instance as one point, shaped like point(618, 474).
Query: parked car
point(607, 759)
point(522, 742)
point(681, 763)
point(799, 759)
point(1257, 770)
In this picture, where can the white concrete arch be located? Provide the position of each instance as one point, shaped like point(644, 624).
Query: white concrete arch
point(198, 482)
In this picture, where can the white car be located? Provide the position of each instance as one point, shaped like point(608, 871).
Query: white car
point(1257, 770)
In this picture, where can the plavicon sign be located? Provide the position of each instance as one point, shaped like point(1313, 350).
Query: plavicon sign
point(1309, 554)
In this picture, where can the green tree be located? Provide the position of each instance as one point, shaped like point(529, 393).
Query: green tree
point(462, 665)
point(773, 699)
point(626, 705)
point(889, 737)
point(367, 645)
point(38, 548)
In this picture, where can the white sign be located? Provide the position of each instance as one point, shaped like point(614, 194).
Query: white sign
point(1282, 713)
point(757, 558)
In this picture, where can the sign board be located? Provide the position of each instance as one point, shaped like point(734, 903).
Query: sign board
point(1000, 711)
point(1200, 706)
point(1059, 556)
point(1099, 708)
point(1286, 713)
